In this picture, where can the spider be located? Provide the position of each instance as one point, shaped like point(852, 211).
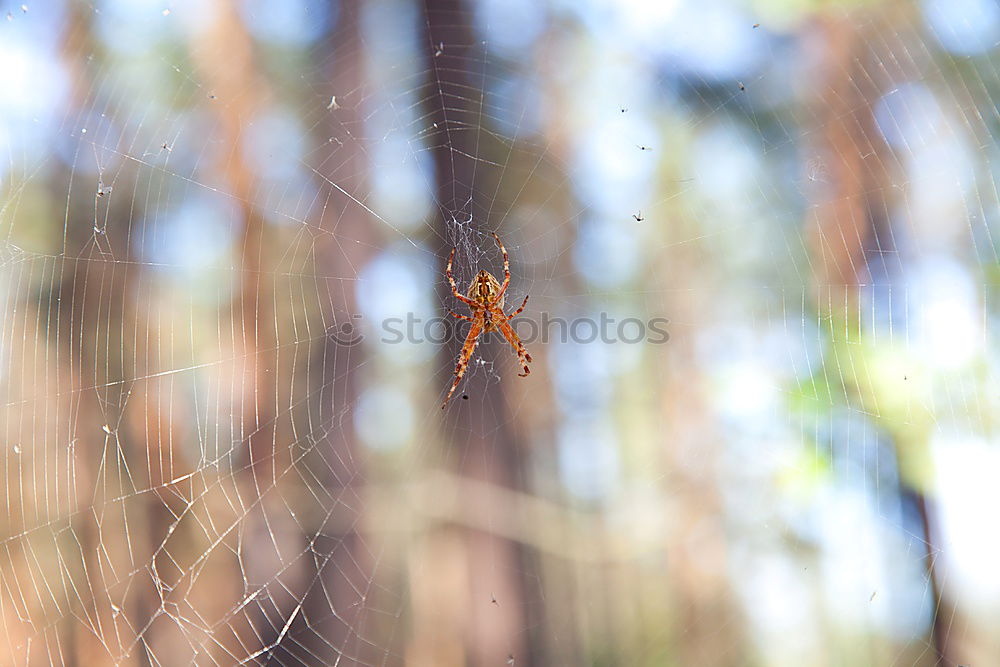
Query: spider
point(486, 299)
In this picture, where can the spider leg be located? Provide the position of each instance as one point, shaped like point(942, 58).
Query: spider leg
point(463, 359)
point(506, 272)
point(461, 317)
point(515, 342)
point(451, 281)
point(518, 311)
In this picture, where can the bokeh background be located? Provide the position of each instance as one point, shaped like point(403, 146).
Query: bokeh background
point(201, 198)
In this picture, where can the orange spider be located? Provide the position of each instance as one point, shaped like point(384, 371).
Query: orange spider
point(486, 297)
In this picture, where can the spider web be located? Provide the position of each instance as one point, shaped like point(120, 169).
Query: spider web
point(206, 204)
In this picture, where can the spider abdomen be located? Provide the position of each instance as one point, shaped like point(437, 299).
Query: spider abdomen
point(484, 289)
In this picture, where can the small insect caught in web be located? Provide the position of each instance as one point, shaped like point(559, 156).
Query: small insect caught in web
point(439, 50)
point(643, 148)
point(816, 169)
point(740, 84)
point(332, 106)
point(638, 218)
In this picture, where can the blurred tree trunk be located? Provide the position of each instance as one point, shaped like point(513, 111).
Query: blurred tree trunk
point(338, 622)
point(490, 614)
point(119, 431)
point(345, 568)
point(706, 621)
point(234, 91)
point(118, 424)
point(316, 609)
point(850, 236)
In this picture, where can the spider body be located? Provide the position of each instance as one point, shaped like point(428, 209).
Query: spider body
point(483, 290)
point(486, 300)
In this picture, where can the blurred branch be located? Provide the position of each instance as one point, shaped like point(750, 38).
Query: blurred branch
point(527, 519)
